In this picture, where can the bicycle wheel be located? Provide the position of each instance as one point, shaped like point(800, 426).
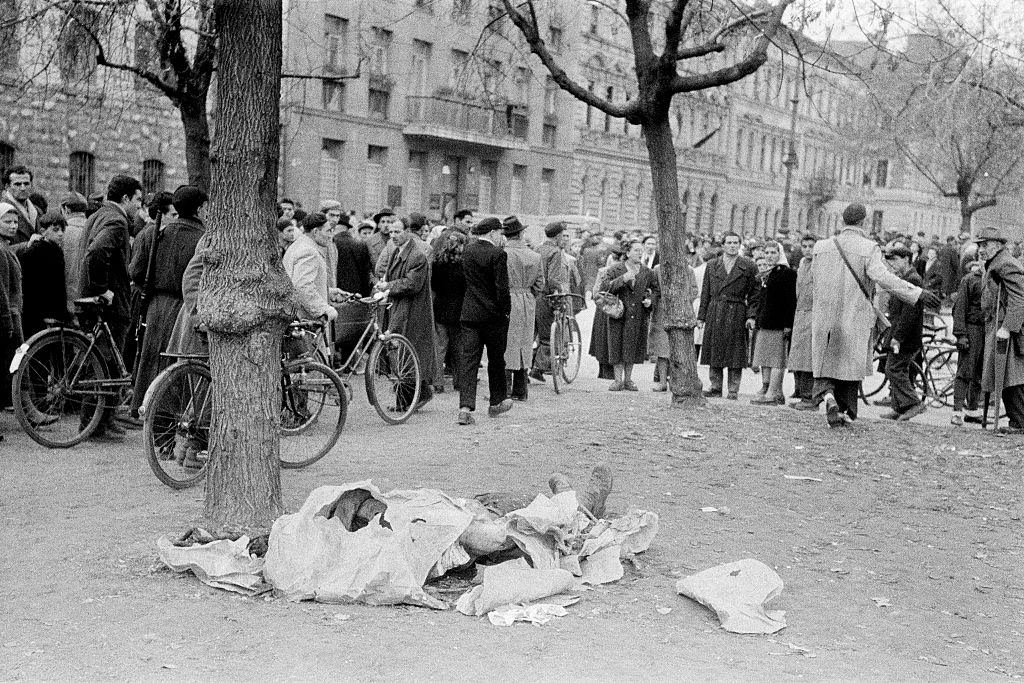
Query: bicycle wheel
point(56, 390)
point(557, 357)
point(874, 383)
point(176, 423)
point(314, 406)
point(573, 344)
point(941, 375)
point(393, 379)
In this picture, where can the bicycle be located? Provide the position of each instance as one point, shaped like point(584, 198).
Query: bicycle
point(177, 410)
point(566, 341)
point(932, 373)
point(392, 374)
point(62, 384)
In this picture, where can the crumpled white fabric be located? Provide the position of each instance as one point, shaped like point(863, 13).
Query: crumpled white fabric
point(544, 529)
point(610, 540)
point(738, 591)
point(538, 615)
point(510, 583)
point(312, 557)
point(222, 564)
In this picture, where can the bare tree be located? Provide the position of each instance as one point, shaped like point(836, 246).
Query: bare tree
point(670, 43)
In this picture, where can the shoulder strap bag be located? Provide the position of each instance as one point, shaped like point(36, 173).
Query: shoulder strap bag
point(882, 324)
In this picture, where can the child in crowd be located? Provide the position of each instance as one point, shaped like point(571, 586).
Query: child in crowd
point(42, 267)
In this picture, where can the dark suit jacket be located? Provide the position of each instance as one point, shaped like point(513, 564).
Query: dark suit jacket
point(907, 319)
point(487, 297)
point(776, 299)
point(354, 265)
point(106, 259)
point(727, 300)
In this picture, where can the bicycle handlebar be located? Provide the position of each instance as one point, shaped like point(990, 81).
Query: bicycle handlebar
point(566, 294)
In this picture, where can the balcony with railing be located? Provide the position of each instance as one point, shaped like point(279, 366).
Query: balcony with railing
point(446, 118)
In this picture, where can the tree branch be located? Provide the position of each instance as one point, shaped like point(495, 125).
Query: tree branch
point(329, 79)
point(714, 44)
point(983, 204)
point(558, 74)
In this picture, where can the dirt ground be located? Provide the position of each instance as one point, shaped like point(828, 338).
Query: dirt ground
point(903, 562)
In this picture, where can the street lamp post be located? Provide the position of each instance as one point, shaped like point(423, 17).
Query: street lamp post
point(791, 163)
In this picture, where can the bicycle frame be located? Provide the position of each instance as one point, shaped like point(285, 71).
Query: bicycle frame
point(124, 378)
point(372, 333)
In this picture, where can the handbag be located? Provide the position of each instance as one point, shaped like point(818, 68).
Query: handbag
point(612, 305)
point(882, 323)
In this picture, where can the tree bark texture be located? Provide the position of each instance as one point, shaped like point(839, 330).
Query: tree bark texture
point(245, 296)
point(679, 279)
point(195, 122)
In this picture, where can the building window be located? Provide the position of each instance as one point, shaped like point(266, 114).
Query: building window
point(590, 110)
point(335, 31)
point(152, 176)
point(330, 169)
point(6, 157)
point(549, 135)
point(496, 17)
point(380, 52)
point(461, 10)
point(602, 200)
point(419, 73)
point(414, 180)
point(81, 172)
point(10, 45)
point(373, 183)
point(378, 103)
point(518, 189)
point(76, 51)
point(547, 184)
point(583, 196)
point(882, 173)
point(713, 214)
point(550, 96)
point(485, 185)
point(555, 39)
point(333, 94)
point(876, 221)
point(610, 96)
point(460, 65)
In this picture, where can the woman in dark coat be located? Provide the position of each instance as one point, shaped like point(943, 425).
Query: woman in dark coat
point(637, 286)
point(449, 285)
point(599, 331)
point(776, 308)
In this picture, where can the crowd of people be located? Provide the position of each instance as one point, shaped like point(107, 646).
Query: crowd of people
point(474, 288)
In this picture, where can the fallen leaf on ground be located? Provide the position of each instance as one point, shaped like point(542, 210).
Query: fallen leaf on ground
point(882, 602)
point(664, 610)
point(796, 477)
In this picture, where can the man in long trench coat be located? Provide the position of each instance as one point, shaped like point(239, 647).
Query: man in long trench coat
point(844, 318)
point(727, 307)
point(525, 284)
point(407, 280)
point(1002, 303)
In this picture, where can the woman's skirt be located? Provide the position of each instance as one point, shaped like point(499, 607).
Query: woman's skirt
point(770, 349)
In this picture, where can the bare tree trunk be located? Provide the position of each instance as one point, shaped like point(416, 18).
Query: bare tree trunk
point(244, 295)
point(678, 275)
point(197, 143)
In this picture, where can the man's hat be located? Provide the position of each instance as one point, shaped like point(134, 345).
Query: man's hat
point(486, 225)
point(380, 214)
point(854, 214)
point(990, 234)
point(554, 229)
point(512, 226)
point(897, 249)
point(417, 221)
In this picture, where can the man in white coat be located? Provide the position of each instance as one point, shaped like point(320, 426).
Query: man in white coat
point(308, 270)
point(844, 316)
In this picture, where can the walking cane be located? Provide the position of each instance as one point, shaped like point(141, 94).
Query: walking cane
point(1002, 348)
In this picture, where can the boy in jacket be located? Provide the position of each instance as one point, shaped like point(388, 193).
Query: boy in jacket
point(907, 322)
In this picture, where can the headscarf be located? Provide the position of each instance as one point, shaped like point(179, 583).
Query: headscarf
point(6, 208)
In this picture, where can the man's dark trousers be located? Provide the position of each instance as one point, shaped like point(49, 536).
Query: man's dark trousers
point(475, 338)
point(897, 369)
point(846, 393)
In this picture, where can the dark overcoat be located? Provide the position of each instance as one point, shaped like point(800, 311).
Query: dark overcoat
point(627, 336)
point(969, 322)
point(412, 312)
point(1003, 304)
point(727, 300)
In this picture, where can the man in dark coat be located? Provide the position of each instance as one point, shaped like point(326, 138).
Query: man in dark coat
point(556, 279)
point(105, 269)
point(1003, 304)
point(727, 309)
point(175, 246)
point(907, 322)
point(407, 281)
point(969, 330)
point(17, 190)
point(485, 313)
point(354, 275)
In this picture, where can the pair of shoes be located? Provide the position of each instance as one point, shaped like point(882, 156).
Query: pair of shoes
point(834, 416)
point(519, 399)
point(733, 396)
point(426, 395)
point(767, 400)
point(629, 386)
point(884, 402)
point(803, 404)
point(713, 393)
point(108, 435)
point(956, 419)
point(891, 415)
point(616, 386)
point(1011, 430)
point(659, 387)
point(503, 407)
point(912, 412)
point(537, 375)
point(466, 418)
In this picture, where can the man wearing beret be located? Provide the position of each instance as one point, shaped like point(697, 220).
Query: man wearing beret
point(1002, 303)
point(485, 314)
point(846, 270)
point(556, 279)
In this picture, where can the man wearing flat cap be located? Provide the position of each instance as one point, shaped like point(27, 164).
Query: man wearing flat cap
point(846, 270)
point(485, 311)
point(556, 281)
point(904, 343)
point(1002, 304)
point(525, 284)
